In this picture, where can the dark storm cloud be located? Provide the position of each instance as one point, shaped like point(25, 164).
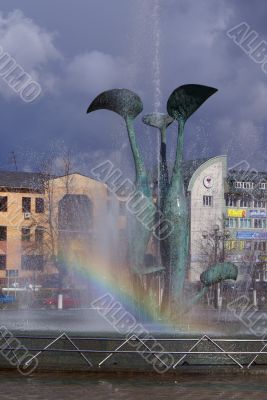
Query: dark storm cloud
point(76, 49)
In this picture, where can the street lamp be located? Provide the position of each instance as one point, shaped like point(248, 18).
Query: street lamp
point(217, 237)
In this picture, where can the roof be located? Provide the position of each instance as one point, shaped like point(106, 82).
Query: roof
point(30, 181)
point(21, 180)
point(189, 167)
point(200, 167)
point(80, 174)
point(247, 176)
point(256, 177)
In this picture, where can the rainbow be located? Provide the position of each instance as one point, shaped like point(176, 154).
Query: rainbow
point(95, 271)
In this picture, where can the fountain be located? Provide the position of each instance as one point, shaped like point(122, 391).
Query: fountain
point(172, 202)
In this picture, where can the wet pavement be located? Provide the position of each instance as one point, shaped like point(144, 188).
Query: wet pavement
point(81, 386)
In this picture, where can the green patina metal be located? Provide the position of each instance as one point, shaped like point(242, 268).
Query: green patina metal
point(186, 99)
point(162, 121)
point(219, 272)
point(122, 101)
point(214, 274)
point(182, 103)
point(128, 104)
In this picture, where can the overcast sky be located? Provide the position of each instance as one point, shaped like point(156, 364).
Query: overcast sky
point(77, 48)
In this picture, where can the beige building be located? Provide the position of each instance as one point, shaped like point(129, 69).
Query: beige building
point(33, 218)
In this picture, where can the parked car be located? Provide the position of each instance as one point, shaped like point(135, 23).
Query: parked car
point(69, 301)
point(7, 299)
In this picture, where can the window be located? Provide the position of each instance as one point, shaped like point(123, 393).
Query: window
point(39, 234)
point(260, 246)
point(259, 223)
point(244, 185)
point(263, 185)
point(3, 203)
point(234, 245)
point(2, 261)
point(247, 185)
point(3, 233)
point(207, 201)
point(248, 245)
point(259, 204)
point(26, 204)
point(231, 201)
point(32, 263)
point(245, 223)
point(244, 203)
point(39, 205)
point(231, 222)
point(230, 244)
point(238, 184)
point(240, 245)
point(12, 273)
point(25, 234)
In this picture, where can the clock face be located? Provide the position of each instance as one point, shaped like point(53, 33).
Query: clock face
point(208, 181)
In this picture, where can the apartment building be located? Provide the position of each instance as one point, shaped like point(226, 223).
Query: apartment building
point(246, 220)
point(233, 203)
point(34, 220)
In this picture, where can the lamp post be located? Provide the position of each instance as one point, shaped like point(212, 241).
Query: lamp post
point(216, 237)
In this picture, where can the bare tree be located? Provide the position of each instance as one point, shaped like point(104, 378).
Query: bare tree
point(45, 225)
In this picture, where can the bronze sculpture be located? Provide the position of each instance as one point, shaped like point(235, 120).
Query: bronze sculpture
point(172, 202)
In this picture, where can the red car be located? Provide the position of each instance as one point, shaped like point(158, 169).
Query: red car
point(69, 301)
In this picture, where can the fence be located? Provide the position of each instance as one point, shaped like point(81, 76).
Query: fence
point(243, 357)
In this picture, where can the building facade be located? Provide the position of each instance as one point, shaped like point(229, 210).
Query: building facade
point(230, 205)
point(40, 217)
point(246, 220)
point(33, 220)
point(207, 207)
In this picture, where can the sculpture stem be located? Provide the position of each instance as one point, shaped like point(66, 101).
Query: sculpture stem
point(139, 234)
point(176, 210)
point(164, 176)
point(177, 180)
point(140, 171)
point(163, 188)
point(182, 214)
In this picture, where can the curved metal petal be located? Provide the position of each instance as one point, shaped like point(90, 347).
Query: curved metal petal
point(219, 272)
point(158, 120)
point(152, 269)
point(122, 101)
point(186, 99)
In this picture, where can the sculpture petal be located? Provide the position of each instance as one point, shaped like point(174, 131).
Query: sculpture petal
point(152, 269)
point(122, 101)
point(158, 120)
point(186, 99)
point(219, 272)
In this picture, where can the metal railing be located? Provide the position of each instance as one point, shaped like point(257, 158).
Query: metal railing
point(192, 350)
